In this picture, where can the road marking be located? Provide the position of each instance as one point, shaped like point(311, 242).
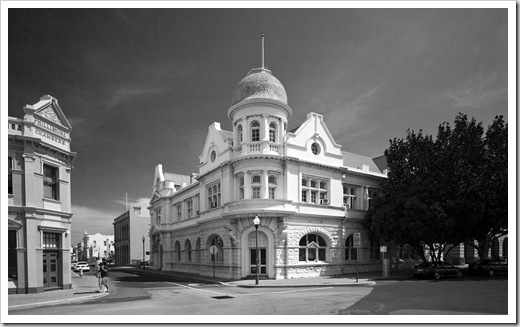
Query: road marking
point(291, 291)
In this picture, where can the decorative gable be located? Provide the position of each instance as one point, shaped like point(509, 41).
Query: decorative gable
point(313, 142)
point(216, 148)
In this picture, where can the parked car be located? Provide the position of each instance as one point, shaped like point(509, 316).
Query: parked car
point(489, 267)
point(436, 270)
point(144, 264)
point(73, 264)
point(82, 265)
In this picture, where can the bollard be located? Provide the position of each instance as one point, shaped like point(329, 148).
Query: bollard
point(81, 272)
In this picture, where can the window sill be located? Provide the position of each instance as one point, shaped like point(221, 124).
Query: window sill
point(51, 200)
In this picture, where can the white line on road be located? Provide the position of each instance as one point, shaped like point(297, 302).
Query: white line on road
point(198, 289)
point(291, 291)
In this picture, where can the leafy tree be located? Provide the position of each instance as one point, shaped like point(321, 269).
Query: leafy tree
point(444, 192)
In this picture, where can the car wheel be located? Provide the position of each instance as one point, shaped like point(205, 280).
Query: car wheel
point(491, 273)
point(459, 274)
point(437, 276)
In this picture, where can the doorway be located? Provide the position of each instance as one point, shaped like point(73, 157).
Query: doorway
point(262, 250)
point(262, 262)
point(50, 269)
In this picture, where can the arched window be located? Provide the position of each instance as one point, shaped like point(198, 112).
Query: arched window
point(187, 247)
point(255, 132)
point(350, 250)
point(255, 186)
point(239, 134)
point(178, 250)
point(272, 132)
point(197, 250)
point(215, 240)
point(312, 248)
point(495, 248)
point(241, 187)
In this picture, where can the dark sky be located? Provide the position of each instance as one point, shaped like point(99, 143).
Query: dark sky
point(141, 86)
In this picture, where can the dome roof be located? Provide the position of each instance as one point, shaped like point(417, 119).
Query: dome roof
point(259, 84)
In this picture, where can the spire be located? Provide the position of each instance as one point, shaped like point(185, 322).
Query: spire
point(263, 66)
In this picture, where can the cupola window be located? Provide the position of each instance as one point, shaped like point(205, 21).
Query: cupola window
point(315, 148)
point(239, 134)
point(272, 132)
point(255, 132)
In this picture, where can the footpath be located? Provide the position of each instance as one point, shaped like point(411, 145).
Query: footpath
point(84, 287)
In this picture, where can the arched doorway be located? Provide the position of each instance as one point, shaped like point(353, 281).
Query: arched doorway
point(266, 250)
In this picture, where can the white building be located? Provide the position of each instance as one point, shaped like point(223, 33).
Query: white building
point(97, 246)
point(297, 182)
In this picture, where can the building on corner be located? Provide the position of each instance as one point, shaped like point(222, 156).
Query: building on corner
point(39, 199)
point(309, 195)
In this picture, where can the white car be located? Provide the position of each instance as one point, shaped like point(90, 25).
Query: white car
point(82, 265)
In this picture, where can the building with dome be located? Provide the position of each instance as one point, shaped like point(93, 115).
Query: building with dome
point(309, 196)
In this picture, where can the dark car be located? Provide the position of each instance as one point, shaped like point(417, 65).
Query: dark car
point(144, 264)
point(436, 270)
point(489, 267)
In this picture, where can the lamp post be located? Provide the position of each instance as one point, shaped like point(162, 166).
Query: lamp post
point(143, 253)
point(256, 221)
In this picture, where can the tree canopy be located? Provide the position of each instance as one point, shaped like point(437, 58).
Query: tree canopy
point(445, 191)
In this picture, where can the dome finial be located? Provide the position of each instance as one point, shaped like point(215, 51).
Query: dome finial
point(263, 66)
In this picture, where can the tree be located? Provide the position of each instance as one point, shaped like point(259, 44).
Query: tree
point(444, 192)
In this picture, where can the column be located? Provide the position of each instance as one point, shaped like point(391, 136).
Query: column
point(264, 190)
point(247, 185)
point(245, 138)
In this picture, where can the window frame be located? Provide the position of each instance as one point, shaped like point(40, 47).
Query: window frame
point(50, 182)
point(255, 131)
point(351, 252)
point(313, 248)
point(10, 189)
point(350, 198)
point(216, 240)
point(272, 132)
point(213, 192)
point(315, 190)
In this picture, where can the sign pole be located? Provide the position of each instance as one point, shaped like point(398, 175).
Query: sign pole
point(357, 244)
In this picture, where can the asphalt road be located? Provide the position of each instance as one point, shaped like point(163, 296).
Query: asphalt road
point(161, 296)
point(469, 295)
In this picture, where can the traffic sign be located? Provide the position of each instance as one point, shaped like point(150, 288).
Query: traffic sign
point(213, 249)
point(382, 248)
point(357, 240)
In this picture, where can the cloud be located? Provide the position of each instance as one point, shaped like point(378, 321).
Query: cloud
point(143, 203)
point(92, 220)
point(477, 93)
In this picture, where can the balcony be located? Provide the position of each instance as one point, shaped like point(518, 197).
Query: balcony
point(262, 147)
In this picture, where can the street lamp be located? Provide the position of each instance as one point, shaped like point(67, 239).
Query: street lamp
point(256, 221)
point(143, 253)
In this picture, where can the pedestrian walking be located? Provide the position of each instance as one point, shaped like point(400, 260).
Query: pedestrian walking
point(102, 275)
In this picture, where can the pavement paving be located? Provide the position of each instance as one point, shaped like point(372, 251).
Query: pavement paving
point(84, 287)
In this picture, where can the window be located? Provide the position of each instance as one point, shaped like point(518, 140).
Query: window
point(158, 216)
point(213, 156)
point(241, 188)
point(187, 247)
point(50, 186)
point(312, 248)
point(350, 250)
point(189, 208)
point(272, 132)
point(239, 133)
point(349, 196)
point(10, 177)
point(315, 148)
point(178, 250)
point(179, 212)
point(255, 131)
point(255, 186)
point(214, 195)
point(317, 189)
point(215, 240)
point(51, 241)
point(272, 186)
